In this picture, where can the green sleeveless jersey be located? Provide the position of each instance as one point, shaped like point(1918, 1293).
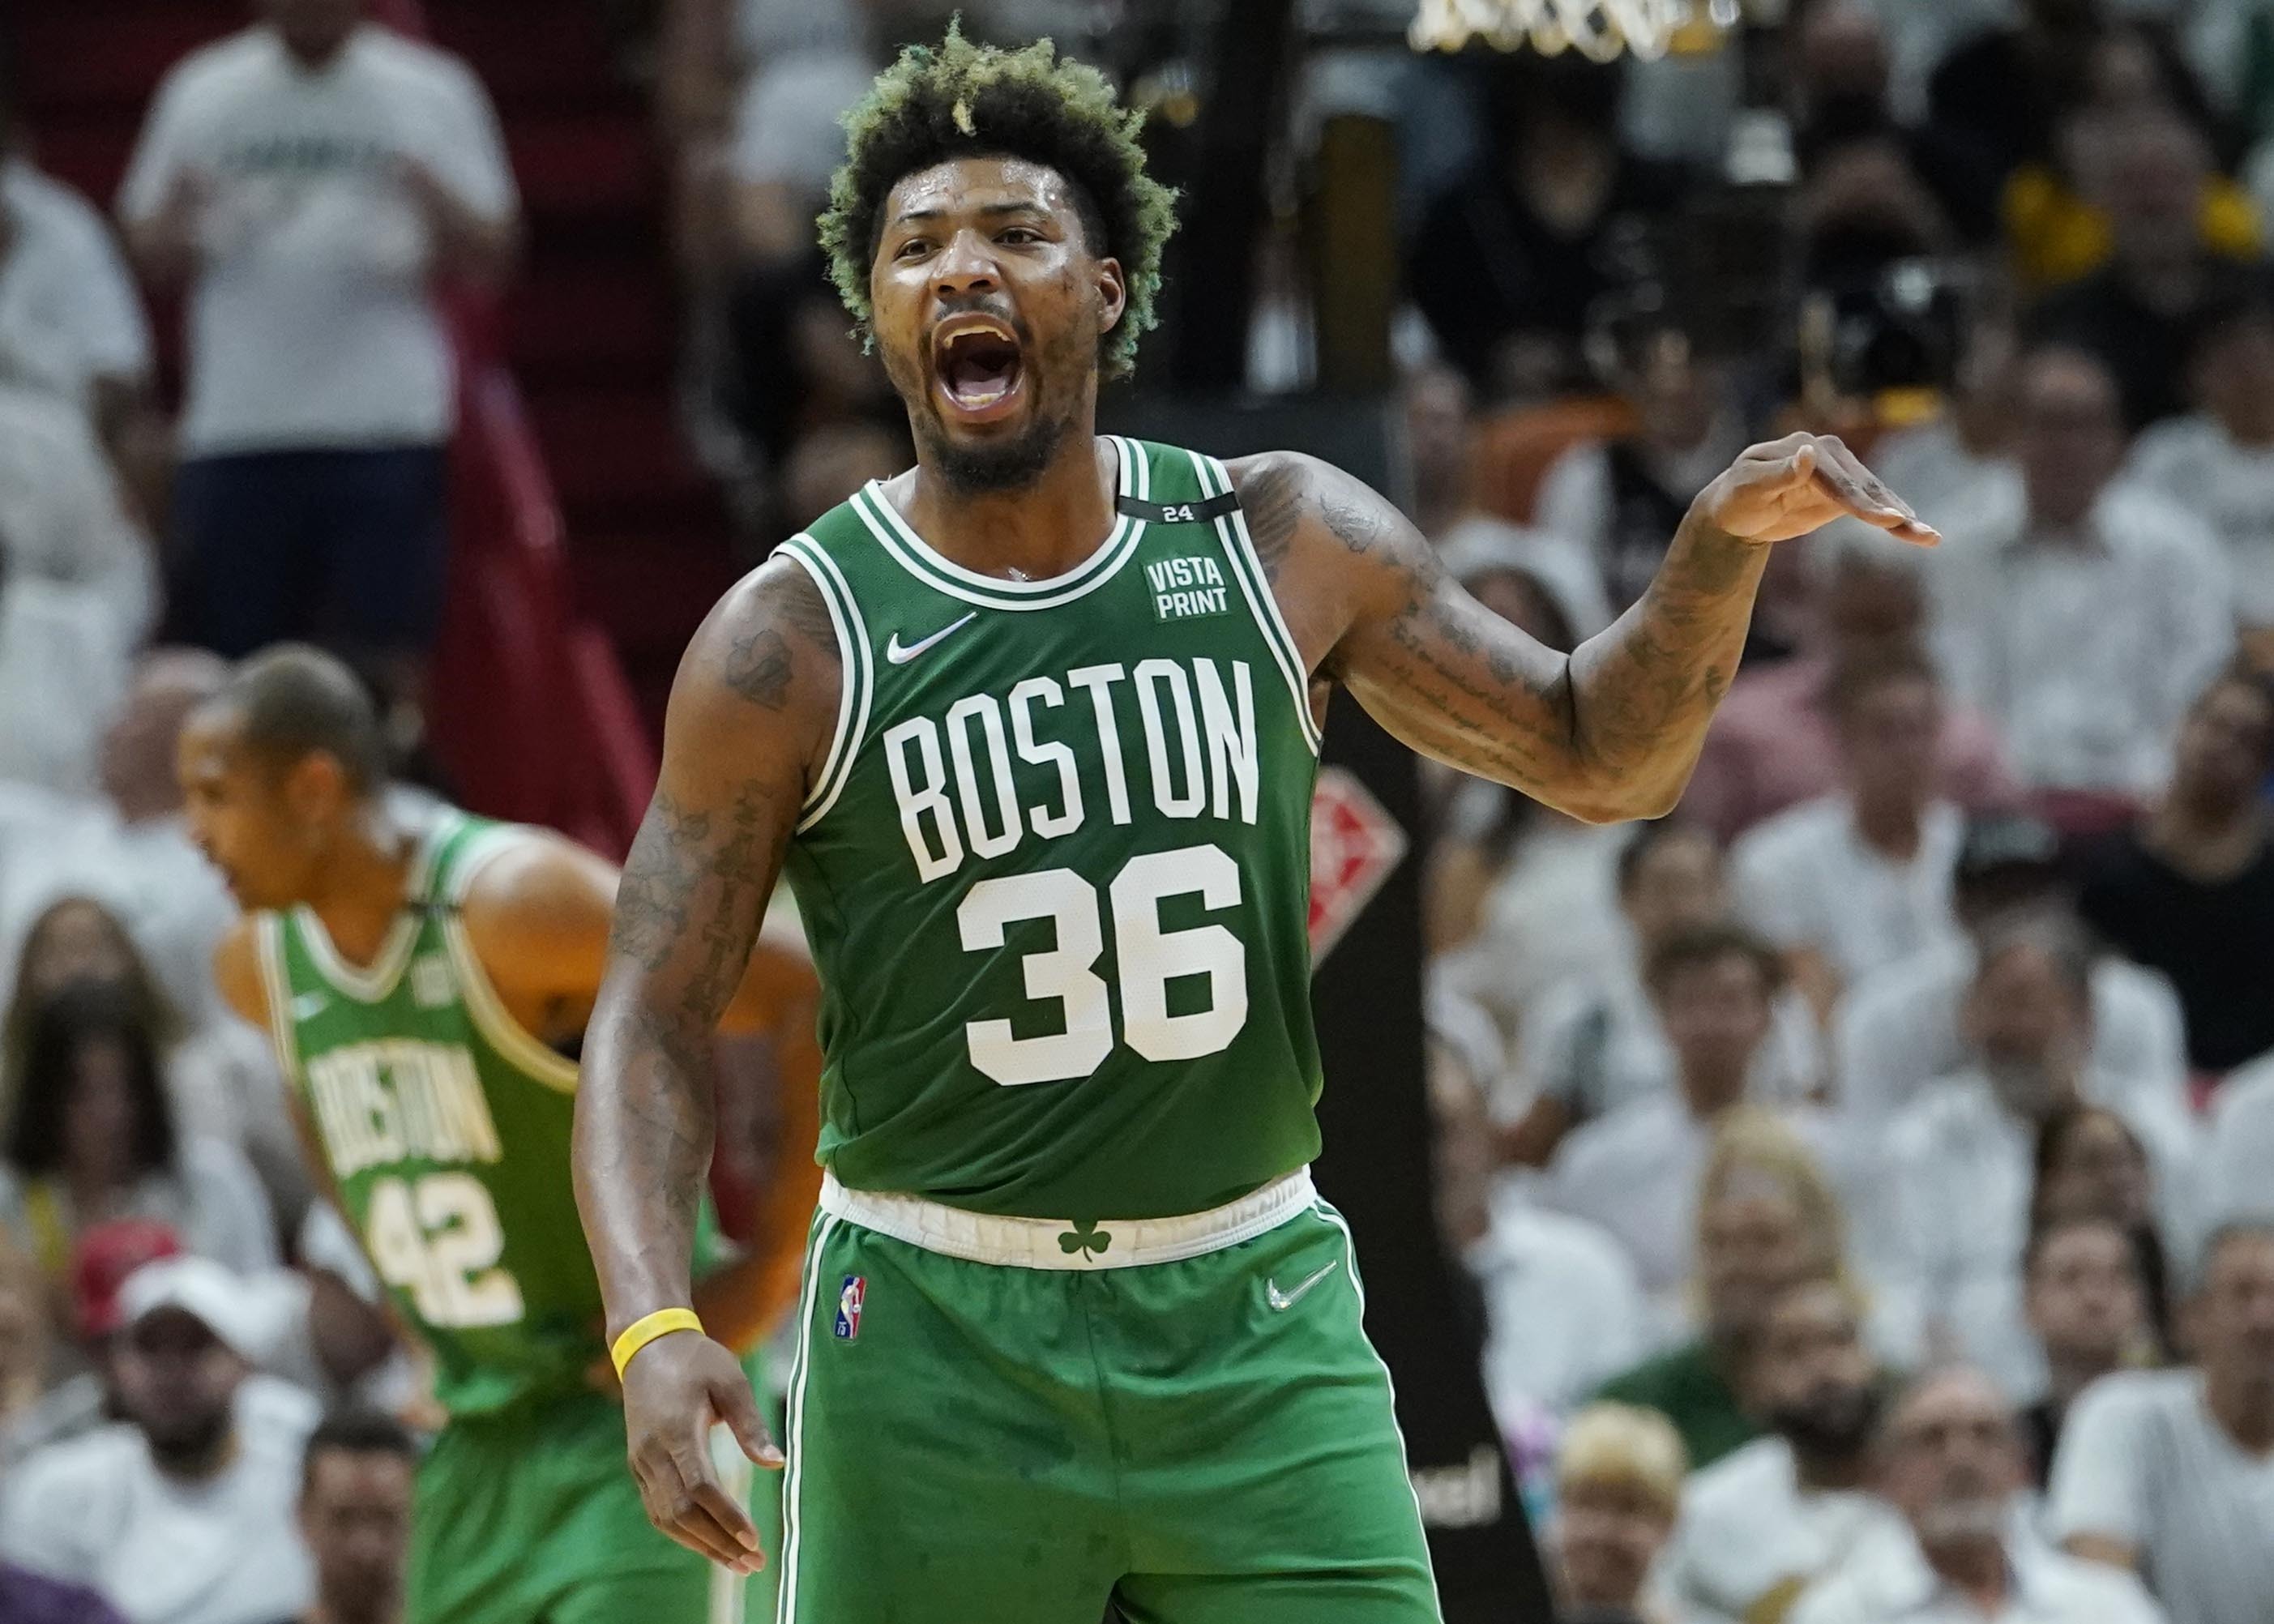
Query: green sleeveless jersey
point(1056, 873)
point(446, 1128)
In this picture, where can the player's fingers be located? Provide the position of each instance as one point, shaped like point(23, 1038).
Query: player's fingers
point(738, 1407)
point(672, 1506)
point(676, 1505)
point(728, 1521)
point(1861, 488)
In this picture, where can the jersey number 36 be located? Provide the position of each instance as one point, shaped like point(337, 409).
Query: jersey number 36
point(1148, 957)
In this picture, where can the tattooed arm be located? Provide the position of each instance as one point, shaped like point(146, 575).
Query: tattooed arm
point(749, 723)
point(1609, 731)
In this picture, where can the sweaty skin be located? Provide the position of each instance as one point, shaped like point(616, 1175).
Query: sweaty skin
point(1608, 733)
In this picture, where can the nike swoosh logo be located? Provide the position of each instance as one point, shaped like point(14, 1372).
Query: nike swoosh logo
point(308, 1005)
point(1285, 1300)
point(900, 656)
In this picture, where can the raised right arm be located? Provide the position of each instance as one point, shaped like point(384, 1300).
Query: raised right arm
point(749, 724)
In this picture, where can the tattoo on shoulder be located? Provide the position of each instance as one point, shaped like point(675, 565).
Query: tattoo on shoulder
point(1271, 498)
point(1358, 530)
point(761, 663)
point(759, 667)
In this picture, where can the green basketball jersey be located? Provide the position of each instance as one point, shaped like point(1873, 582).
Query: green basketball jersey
point(446, 1127)
point(1056, 873)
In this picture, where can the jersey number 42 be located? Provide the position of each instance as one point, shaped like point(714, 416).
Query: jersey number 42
point(439, 1239)
point(1148, 957)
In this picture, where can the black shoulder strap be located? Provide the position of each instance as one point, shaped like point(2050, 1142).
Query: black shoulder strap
point(1179, 513)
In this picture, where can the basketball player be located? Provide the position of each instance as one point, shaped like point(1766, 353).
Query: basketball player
point(1032, 729)
point(427, 983)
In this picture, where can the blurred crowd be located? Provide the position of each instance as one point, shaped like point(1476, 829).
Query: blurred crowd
point(1865, 1175)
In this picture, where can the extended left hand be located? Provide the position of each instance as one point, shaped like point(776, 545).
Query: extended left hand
point(1801, 482)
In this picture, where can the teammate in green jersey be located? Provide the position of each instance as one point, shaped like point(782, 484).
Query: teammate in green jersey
point(426, 981)
point(1032, 729)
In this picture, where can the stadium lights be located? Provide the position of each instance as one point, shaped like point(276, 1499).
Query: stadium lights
point(1598, 29)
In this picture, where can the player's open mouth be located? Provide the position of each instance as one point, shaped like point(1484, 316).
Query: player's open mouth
point(979, 367)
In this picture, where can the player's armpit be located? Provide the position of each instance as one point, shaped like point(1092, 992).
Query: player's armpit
point(237, 974)
point(750, 720)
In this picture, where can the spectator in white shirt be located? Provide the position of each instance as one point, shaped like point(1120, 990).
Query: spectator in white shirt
point(2239, 1160)
point(2217, 462)
point(1949, 1239)
point(1618, 1488)
point(181, 1513)
point(311, 179)
point(2171, 1472)
point(1767, 1218)
point(1960, 462)
point(2089, 1312)
point(1635, 1170)
point(2085, 618)
point(70, 322)
point(1899, 1029)
point(1949, 1460)
point(2091, 1165)
point(1855, 882)
point(1561, 1308)
point(1596, 1042)
point(1791, 1507)
point(1620, 499)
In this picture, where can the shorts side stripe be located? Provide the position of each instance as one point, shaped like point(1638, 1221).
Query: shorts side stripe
point(786, 1608)
point(1350, 1262)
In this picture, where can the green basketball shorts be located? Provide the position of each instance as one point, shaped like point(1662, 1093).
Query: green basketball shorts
point(533, 1517)
point(1018, 1421)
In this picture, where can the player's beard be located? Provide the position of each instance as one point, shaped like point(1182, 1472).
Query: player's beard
point(986, 470)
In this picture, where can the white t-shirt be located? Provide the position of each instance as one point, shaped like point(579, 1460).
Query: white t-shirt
point(1890, 1583)
point(64, 669)
point(2230, 487)
point(2087, 651)
point(2141, 1461)
point(1899, 1030)
point(97, 1511)
point(66, 521)
point(1748, 1530)
point(1945, 1233)
point(1635, 1173)
point(310, 325)
point(1598, 1045)
point(2238, 1162)
point(785, 124)
point(69, 314)
point(1805, 878)
point(1563, 1312)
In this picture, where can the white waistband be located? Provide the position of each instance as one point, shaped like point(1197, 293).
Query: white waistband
point(1060, 1243)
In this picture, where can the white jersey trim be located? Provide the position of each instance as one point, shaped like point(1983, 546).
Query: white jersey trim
point(1042, 1242)
point(918, 557)
point(1255, 587)
point(858, 684)
point(515, 1045)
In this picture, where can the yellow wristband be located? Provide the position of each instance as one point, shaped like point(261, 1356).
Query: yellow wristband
point(646, 1330)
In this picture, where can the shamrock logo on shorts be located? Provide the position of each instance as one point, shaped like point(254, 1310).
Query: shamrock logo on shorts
point(1085, 1237)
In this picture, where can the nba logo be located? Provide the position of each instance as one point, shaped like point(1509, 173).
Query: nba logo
point(849, 1298)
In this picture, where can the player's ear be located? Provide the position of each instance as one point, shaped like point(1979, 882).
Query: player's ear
point(316, 786)
point(1112, 294)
